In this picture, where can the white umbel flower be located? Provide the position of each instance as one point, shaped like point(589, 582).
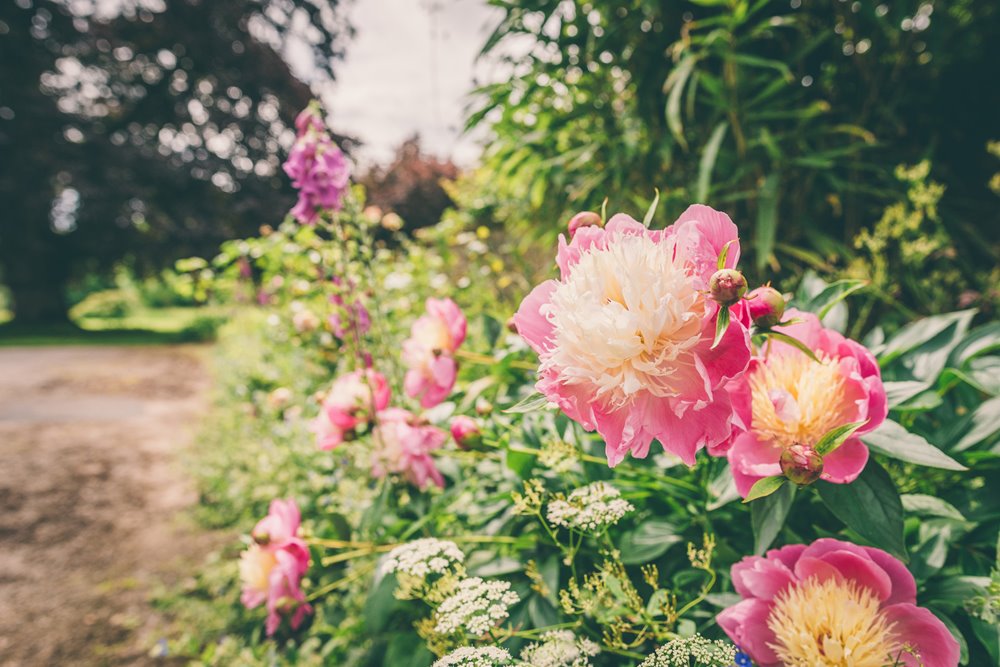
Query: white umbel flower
point(424, 557)
point(475, 606)
point(484, 656)
point(560, 648)
point(694, 650)
point(590, 508)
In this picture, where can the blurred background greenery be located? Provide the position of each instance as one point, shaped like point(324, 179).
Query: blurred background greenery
point(848, 138)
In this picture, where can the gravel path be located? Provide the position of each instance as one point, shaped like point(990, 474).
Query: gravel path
point(92, 498)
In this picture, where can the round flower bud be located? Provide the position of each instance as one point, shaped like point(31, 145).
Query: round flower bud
point(766, 306)
point(584, 219)
point(466, 432)
point(727, 286)
point(483, 407)
point(801, 464)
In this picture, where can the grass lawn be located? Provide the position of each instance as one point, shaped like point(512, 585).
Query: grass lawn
point(142, 327)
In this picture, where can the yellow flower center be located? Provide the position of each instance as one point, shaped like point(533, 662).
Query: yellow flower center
point(255, 567)
point(796, 400)
point(831, 624)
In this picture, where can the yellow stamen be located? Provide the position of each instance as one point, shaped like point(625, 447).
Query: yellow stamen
point(831, 624)
point(796, 400)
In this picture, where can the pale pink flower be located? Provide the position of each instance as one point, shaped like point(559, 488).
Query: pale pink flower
point(428, 352)
point(624, 336)
point(351, 401)
point(403, 446)
point(272, 568)
point(833, 603)
point(787, 399)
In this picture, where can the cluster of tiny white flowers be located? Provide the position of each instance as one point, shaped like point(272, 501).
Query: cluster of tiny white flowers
point(475, 606)
point(424, 557)
point(703, 652)
point(560, 648)
point(589, 508)
point(467, 656)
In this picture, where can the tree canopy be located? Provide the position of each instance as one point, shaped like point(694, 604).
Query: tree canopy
point(147, 129)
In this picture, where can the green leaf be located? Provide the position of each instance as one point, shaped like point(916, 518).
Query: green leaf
point(721, 324)
point(707, 163)
point(721, 263)
point(767, 221)
point(768, 514)
point(897, 393)
point(870, 506)
point(831, 295)
point(520, 462)
point(536, 401)
point(919, 503)
point(651, 211)
point(916, 334)
point(648, 541)
point(794, 342)
point(764, 487)
point(835, 437)
point(675, 85)
point(985, 423)
point(894, 441)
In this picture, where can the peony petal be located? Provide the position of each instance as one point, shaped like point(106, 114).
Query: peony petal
point(746, 624)
point(761, 578)
point(531, 324)
point(918, 627)
point(810, 567)
point(904, 588)
point(704, 232)
point(862, 570)
point(845, 463)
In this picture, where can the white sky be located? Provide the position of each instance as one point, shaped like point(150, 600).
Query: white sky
point(404, 73)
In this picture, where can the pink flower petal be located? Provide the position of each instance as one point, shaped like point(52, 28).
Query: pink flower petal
point(746, 624)
point(845, 463)
point(920, 628)
point(531, 324)
point(761, 578)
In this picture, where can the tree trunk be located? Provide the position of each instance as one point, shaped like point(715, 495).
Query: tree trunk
point(41, 302)
point(36, 270)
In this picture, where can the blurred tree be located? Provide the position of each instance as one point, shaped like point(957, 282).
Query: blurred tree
point(410, 186)
point(148, 129)
point(789, 115)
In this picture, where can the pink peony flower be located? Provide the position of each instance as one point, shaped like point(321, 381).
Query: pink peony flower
point(787, 399)
point(318, 168)
point(351, 401)
point(272, 568)
point(465, 430)
point(833, 603)
point(624, 336)
point(434, 338)
point(403, 446)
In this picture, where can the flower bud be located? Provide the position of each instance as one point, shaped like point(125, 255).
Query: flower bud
point(584, 219)
point(483, 407)
point(727, 286)
point(801, 464)
point(511, 325)
point(766, 306)
point(466, 432)
point(262, 538)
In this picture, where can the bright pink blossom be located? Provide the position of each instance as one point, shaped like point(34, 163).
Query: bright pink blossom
point(833, 603)
point(350, 402)
point(403, 446)
point(272, 568)
point(428, 352)
point(350, 316)
point(624, 336)
point(318, 169)
point(787, 399)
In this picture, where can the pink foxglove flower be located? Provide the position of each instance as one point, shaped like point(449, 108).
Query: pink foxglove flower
point(351, 402)
point(788, 400)
point(272, 568)
point(428, 352)
point(833, 603)
point(318, 168)
point(624, 337)
point(403, 446)
point(350, 316)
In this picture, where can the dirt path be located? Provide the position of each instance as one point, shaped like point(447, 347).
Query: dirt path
point(92, 497)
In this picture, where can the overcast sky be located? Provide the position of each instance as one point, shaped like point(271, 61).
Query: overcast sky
point(406, 72)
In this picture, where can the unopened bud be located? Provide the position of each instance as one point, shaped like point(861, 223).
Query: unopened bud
point(766, 306)
point(466, 432)
point(584, 219)
point(483, 407)
point(727, 286)
point(511, 325)
point(262, 538)
point(801, 464)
